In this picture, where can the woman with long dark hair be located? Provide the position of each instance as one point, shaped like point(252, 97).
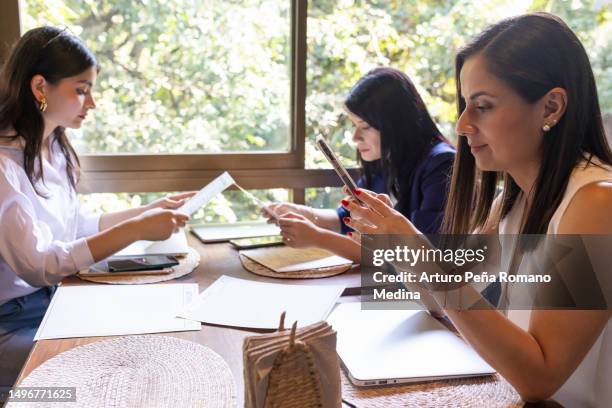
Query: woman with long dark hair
point(529, 118)
point(45, 87)
point(402, 154)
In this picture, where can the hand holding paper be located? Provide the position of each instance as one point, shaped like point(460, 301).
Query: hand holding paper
point(207, 193)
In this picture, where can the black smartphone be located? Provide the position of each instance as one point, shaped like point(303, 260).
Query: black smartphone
point(141, 263)
point(257, 242)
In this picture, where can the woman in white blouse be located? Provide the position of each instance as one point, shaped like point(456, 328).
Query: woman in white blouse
point(46, 86)
point(528, 116)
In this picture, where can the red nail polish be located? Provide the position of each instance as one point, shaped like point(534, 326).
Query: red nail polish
point(357, 191)
point(346, 220)
point(345, 203)
point(350, 234)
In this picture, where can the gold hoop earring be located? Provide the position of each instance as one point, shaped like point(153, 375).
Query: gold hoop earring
point(43, 104)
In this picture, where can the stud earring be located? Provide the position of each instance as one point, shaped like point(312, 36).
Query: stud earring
point(546, 127)
point(43, 104)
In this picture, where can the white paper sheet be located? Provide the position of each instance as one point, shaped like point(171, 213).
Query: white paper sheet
point(176, 245)
point(258, 305)
point(207, 193)
point(108, 310)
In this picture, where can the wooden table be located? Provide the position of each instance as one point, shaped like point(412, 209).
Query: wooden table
point(216, 260)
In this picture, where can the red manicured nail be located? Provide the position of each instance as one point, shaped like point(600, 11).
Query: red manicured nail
point(350, 234)
point(346, 220)
point(357, 191)
point(345, 202)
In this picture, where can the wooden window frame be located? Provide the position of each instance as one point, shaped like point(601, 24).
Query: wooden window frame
point(175, 172)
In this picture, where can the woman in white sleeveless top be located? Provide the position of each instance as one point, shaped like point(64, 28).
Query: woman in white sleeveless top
point(528, 116)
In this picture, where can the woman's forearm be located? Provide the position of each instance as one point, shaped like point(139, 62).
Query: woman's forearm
point(513, 352)
point(324, 218)
point(113, 239)
point(340, 245)
point(109, 220)
point(536, 362)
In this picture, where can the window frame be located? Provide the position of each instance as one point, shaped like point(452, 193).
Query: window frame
point(174, 172)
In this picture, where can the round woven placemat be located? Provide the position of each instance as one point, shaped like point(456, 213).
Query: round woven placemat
point(490, 391)
point(138, 371)
point(187, 264)
point(258, 269)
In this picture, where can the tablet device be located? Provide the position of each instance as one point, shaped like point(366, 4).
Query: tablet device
point(256, 242)
point(323, 146)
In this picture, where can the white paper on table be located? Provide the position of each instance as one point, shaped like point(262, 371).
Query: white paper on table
point(176, 245)
point(109, 310)
point(207, 193)
point(258, 305)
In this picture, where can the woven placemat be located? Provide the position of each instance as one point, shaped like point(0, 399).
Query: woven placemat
point(137, 371)
point(187, 264)
point(490, 391)
point(258, 269)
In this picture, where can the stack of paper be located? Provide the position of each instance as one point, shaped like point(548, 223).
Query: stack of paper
point(257, 305)
point(109, 310)
point(260, 354)
point(287, 259)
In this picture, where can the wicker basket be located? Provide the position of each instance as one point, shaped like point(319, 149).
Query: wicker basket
point(287, 369)
point(294, 380)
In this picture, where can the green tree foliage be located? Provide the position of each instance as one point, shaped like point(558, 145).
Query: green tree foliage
point(213, 75)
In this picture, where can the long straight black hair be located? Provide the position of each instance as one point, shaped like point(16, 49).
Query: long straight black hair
point(55, 54)
point(532, 53)
point(387, 100)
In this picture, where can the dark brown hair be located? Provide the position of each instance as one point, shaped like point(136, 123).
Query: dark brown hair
point(387, 100)
point(55, 54)
point(532, 53)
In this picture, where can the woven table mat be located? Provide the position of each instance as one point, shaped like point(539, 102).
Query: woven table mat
point(187, 264)
point(490, 391)
point(137, 371)
point(258, 269)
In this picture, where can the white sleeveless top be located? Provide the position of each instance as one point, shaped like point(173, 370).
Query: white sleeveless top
point(589, 385)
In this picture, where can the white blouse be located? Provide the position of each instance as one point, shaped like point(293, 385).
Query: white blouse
point(588, 386)
point(41, 239)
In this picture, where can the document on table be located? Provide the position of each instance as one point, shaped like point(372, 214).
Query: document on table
point(287, 259)
point(207, 193)
point(176, 245)
point(110, 310)
point(258, 305)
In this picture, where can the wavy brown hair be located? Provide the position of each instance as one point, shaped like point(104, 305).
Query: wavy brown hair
point(55, 54)
point(532, 53)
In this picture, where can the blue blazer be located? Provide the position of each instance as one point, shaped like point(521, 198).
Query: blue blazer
point(428, 191)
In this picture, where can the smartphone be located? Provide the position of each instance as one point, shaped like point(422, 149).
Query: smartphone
point(323, 146)
point(257, 242)
point(141, 263)
point(134, 264)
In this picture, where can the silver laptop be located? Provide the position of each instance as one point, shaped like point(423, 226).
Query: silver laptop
point(224, 232)
point(400, 346)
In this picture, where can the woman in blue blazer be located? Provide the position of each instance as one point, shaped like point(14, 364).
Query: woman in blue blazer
point(402, 154)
